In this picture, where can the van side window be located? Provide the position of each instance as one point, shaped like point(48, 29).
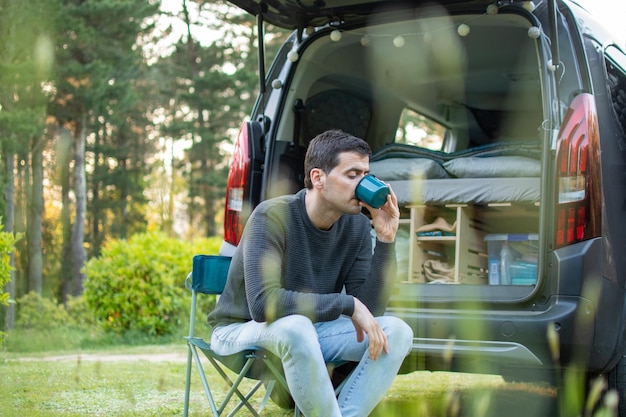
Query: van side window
point(418, 130)
point(615, 62)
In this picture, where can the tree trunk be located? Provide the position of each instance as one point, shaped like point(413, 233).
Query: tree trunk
point(34, 223)
point(95, 218)
point(9, 198)
point(20, 222)
point(210, 214)
point(79, 255)
point(64, 151)
point(123, 202)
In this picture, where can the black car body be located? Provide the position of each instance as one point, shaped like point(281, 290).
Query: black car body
point(502, 121)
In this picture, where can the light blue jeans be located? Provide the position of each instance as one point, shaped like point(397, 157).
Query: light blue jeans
point(305, 347)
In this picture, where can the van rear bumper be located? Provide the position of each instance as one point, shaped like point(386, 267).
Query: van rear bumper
point(502, 352)
point(493, 341)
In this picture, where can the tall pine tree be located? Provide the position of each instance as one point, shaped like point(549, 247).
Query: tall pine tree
point(98, 67)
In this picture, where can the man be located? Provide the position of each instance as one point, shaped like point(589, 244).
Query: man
point(284, 288)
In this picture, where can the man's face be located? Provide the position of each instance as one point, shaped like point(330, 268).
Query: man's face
point(341, 181)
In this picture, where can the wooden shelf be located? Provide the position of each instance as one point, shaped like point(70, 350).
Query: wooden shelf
point(437, 238)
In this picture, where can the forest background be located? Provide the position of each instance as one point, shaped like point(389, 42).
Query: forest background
point(116, 121)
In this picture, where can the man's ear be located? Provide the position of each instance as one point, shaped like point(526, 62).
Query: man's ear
point(317, 177)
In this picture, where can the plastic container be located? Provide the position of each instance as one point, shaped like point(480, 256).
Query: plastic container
point(522, 265)
point(506, 258)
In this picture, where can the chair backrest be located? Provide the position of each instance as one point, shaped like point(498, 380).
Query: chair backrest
point(208, 276)
point(209, 273)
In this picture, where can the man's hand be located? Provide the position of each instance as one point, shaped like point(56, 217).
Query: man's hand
point(364, 322)
point(386, 219)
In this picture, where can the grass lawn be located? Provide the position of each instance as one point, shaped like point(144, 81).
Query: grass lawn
point(149, 381)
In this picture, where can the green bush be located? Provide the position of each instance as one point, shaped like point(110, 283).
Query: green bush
point(42, 324)
point(7, 243)
point(38, 313)
point(80, 315)
point(138, 285)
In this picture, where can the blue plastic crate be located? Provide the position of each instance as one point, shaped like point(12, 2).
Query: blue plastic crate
point(525, 249)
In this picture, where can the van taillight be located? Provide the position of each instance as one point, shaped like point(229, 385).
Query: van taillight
point(236, 187)
point(577, 163)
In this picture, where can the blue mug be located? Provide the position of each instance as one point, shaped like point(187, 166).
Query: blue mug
point(372, 191)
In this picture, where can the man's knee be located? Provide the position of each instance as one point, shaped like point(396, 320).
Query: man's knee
point(399, 334)
point(293, 325)
point(294, 331)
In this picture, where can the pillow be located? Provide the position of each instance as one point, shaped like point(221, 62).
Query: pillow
point(494, 166)
point(403, 150)
point(407, 168)
point(527, 149)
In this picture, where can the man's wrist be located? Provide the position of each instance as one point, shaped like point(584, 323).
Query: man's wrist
point(386, 239)
point(348, 305)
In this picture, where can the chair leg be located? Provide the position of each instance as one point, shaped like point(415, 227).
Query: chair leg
point(234, 387)
point(205, 383)
point(187, 381)
point(246, 402)
point(277, 374)
point(268, 392)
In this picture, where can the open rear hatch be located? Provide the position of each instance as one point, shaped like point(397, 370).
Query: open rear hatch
point(294, 14)
point(499, 74)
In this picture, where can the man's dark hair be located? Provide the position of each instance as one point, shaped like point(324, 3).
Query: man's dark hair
point(323, 151)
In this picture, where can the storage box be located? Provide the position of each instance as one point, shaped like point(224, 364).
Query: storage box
point(524, 249)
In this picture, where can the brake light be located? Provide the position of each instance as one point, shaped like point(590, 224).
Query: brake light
point(236, 187)
point(577, 162)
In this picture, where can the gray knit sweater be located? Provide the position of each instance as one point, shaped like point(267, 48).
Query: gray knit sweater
point(285, 265)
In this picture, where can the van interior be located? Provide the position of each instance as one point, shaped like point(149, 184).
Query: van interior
point(452, 108)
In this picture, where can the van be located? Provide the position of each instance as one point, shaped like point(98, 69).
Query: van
point(501, 128)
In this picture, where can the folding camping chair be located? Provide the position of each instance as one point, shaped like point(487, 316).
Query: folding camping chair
point(208, 276)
